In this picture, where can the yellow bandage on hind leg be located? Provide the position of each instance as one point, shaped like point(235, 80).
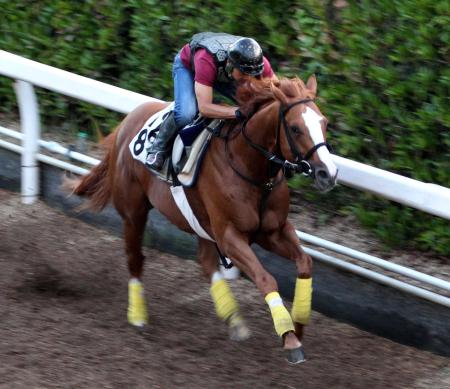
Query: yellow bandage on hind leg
point(281, 318)
point(224, 301)
point(137, 308)
point(301, 308)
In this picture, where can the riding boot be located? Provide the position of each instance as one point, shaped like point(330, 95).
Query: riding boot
point(158, 149)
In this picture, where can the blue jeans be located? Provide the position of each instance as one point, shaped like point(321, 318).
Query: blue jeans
point(184, 93)
point(186, 108)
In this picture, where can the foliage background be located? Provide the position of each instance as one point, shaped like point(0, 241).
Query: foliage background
point(382, 69)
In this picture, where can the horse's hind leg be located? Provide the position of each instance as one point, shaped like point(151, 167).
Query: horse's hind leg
point(134, 210)
point(227, 308)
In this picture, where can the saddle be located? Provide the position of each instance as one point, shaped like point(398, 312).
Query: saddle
point(188, 149)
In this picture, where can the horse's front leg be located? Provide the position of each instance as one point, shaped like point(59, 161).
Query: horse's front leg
point(285, 243)
point(235, 246)
point(227, 308)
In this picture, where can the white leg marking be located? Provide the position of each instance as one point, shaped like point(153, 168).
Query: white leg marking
point(217, 276)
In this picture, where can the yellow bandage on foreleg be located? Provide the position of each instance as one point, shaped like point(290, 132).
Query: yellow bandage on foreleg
point(301, 308)
point(281, 318)
point(224, 301)
point(137, 308)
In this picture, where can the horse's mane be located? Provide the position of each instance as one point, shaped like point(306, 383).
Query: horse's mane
point(254, 93)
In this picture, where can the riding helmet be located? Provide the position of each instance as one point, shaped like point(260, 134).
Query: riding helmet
point(246, 55)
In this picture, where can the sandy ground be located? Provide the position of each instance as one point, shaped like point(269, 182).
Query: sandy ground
point(63, 297)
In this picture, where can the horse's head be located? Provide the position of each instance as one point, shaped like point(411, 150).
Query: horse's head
point(302, 131)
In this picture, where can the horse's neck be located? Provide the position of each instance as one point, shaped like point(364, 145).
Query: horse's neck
point(262, 130)
point(262, 127)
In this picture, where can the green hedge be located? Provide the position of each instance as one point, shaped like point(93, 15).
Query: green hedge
point(382, 68)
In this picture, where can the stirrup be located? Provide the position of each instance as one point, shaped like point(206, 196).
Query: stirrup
point(155, 161)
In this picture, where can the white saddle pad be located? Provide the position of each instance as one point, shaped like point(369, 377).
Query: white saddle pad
point(146, 135)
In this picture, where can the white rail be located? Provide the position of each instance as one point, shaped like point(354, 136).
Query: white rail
point(430, 198)
point(53, 147)
point(70, 84)
point(46, 159)
point(404, 271)
point(400, 285)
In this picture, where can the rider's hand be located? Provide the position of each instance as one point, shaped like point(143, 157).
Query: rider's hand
point(239, 115)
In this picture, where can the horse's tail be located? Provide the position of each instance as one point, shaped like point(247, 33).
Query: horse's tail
point(97, 184)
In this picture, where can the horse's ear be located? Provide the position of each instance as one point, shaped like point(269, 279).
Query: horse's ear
point(311, 84)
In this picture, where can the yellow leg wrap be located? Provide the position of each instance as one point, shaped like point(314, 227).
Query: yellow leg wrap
point(137, 308)
point(301, 308)
point(224, 301)
point(280, 315)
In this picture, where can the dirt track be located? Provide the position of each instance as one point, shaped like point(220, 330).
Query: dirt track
point(63, 297)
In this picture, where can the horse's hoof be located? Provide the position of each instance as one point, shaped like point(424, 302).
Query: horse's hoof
point(295, 355)
point(140, 325)
point(237, 329)
point(239, 332)
point(138, 319)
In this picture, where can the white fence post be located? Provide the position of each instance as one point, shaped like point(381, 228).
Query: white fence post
point(30, 125)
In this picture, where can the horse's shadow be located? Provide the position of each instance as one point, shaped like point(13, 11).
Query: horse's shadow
point(43, 281)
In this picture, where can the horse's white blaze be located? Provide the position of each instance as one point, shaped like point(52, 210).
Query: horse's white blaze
point(312, 122)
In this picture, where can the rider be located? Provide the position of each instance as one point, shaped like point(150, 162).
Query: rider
point(210, 61)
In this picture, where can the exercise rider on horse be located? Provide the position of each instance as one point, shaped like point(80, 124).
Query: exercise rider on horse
point(210, 61)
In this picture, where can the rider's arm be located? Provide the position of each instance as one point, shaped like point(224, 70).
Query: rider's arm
point(206, 106)
point(268, 71)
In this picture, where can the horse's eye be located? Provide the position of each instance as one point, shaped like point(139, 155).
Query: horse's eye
point(296, 130)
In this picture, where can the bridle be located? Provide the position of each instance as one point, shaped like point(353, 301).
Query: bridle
point(301, 164)
point(278, 161)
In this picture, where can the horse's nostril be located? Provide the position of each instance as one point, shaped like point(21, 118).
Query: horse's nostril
point(323, 174)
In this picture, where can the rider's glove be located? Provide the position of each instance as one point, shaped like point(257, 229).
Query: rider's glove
point(239, 115)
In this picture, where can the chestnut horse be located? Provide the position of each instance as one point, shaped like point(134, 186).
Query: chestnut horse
point(241, 197)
